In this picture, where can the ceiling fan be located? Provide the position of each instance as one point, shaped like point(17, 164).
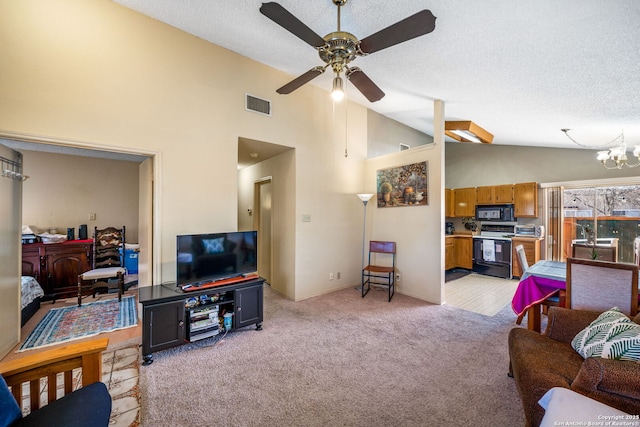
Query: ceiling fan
point(339, 48)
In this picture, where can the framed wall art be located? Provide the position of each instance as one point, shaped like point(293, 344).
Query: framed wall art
point(402, 186)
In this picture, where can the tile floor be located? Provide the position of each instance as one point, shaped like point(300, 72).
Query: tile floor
point(120, 372)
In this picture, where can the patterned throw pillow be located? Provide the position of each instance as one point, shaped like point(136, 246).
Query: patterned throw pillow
point(611, 336)
point(213, 246)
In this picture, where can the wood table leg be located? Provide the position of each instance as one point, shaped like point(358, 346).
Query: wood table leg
point(533, 317)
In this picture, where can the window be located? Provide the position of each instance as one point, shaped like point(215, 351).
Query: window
point(608, 215)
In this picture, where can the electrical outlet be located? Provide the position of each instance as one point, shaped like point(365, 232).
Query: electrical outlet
point(92, 217)
point(338, 275)
point(330, 276)
point(397, 277)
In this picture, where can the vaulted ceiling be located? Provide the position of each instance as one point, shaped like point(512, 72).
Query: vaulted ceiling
point(522, 70)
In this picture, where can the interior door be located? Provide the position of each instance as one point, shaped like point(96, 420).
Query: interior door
point(11, 253)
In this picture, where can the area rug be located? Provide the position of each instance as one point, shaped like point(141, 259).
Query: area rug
point(70, 323)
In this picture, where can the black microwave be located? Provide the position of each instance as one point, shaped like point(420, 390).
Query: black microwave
point(502, 213)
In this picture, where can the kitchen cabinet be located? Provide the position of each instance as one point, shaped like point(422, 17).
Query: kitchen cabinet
point(449, 255)
point(525, 199)
point(449, 204)
point(494, 194)
point(56, 266)
point(463, 249)
point(531, 249)
point(464, 202)
point(458, 252)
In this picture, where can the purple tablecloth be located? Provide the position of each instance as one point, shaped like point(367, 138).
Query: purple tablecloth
point(533, 290)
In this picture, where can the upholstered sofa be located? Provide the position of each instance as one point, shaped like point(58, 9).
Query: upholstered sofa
point(539, 362)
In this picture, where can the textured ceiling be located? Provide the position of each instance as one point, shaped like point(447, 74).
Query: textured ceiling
point(523, 70)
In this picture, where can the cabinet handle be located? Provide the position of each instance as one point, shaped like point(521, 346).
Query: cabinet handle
point(239, 308)
point(181, 323)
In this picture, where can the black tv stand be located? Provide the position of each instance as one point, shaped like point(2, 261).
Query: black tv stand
point(165, 309)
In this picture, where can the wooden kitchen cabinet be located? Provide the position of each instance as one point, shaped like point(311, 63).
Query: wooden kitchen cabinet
point(464, 202)
point(458, 252)
point(449, 253)
point(525, 199)
point(449, 204)
point(484, 195)
point(56, 266)
point(494, 194)
point(531, 249)
point(463, 249)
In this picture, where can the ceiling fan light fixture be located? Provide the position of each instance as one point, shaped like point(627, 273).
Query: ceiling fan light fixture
point(467, 131)
point(338, 90)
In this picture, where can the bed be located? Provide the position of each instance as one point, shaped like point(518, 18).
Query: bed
point(31, 295)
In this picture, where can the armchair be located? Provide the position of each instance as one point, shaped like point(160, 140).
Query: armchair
point(89, 405)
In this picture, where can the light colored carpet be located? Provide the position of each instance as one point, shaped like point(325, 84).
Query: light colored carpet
point(481, 294)
point(341, 360)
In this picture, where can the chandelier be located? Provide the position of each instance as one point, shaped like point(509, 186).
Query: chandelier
point(616, 157)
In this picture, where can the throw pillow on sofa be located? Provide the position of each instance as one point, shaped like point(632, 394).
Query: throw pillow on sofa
point(611, 336)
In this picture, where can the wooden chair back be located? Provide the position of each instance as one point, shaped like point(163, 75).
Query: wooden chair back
point(381, 247)
point(521, 259)
point(601, 253)
point(600, 285)
point(108, 247)
point(54, 365)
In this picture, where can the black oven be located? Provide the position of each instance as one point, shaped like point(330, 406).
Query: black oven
point(492, 256)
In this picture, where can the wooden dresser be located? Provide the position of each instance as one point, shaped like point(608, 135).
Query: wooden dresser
point(56, 265)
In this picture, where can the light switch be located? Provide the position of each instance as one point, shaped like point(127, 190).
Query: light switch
point(306, 218)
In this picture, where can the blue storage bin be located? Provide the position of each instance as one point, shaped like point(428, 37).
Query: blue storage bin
point(131, 261)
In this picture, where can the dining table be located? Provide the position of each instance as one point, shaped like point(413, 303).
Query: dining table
point(540, 281)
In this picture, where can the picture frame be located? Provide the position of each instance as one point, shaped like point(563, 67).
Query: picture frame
point(403, 186)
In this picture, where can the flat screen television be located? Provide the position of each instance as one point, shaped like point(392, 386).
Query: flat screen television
point(204, 258)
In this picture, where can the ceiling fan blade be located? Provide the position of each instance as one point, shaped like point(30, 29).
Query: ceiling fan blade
point(299, 81)
point(414, 26)
point(286, 20)
point(364, 84)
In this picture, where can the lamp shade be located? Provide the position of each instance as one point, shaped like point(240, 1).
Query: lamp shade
point(365, 197)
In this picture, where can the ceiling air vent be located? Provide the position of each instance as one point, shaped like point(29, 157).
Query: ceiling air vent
point(257, 105)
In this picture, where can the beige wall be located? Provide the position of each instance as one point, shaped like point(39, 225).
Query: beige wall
point(62, 190)
point(100, 75)
point(385, 135)
point(417, 230)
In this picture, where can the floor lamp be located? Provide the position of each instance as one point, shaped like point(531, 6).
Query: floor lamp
point(365, 198)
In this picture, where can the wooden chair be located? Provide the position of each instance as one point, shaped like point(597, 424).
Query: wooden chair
point(54, 368)
point(600, 285)
point(108, 263)
point(377, 271)
point(601, 253)
point(552, 301)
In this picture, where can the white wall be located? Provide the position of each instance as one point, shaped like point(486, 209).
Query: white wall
point(385, 135)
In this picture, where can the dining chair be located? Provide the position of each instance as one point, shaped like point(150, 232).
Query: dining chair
point(600, 285)
point(107, 263)
point(598, 252)
point(552, 301)
point(381, 268)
